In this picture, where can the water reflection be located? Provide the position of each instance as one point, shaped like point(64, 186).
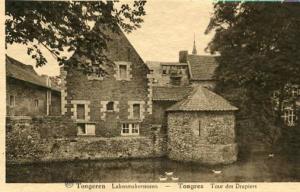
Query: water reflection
point(258, 168)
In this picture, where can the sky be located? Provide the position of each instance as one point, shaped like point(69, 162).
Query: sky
point(168, 27)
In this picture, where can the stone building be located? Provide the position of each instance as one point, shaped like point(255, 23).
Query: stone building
point(133, 98)
point(27, 93)
point(201, 128)
point(117, 104)
point(165, 97)
point(169, 73)
point(191, 69)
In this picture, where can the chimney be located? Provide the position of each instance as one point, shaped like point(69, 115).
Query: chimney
point(183, 56)
point(47, 80)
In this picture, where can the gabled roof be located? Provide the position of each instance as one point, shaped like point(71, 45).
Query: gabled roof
point(164, 93)
point(202, 67)
point(20, 71)
point(202, 99)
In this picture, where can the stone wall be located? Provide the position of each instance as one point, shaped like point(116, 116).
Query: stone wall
point(25, 95)
point(206, 137)
point(27, 141)
point(123, 92)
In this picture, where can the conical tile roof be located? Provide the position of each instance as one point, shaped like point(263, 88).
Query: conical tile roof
point(202, 99)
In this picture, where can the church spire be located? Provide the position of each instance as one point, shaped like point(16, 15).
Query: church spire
point(194, 52)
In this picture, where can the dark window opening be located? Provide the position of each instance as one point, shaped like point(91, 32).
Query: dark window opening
point(12, 100)
point(176, 80)
point(36, 103)
point(199, 128)
point(80, 111)
point(136, 111)
point(81, 128)
point(123, 71)
point(110, 106)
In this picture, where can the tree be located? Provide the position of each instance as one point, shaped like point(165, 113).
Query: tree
point(259, 47)
point(64, 25)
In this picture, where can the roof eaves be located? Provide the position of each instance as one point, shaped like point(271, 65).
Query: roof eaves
point(37, 84)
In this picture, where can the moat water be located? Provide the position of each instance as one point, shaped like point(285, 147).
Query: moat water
point(257, 168)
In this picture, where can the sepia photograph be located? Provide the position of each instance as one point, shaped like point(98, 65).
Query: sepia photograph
point(153, 91)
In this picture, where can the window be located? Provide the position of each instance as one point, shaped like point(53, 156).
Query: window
point(136, 111)
point(130, 129)
point(125, 128)
point(196, 127)
point(85, 129)
point(36, 103)
point(176, 80)
point(81, 129)
point(123, 72)
point(80, 111)
point(110, 106)
point(135, 129)
point(11, 100)
point(164, 70)
point(289, 117)
point(199, 128)
point(90, 129)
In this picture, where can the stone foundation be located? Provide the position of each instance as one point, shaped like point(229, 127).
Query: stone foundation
point(207, 154)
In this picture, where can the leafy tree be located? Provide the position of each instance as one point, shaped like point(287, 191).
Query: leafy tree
point(69, 25)
point(259, 47)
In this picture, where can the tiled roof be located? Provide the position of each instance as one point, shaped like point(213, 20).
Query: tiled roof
point(20, 71)
point(202, 67)
point(202, 99)
point(170, 93)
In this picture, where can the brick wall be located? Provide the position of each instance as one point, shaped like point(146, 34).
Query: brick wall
point(213, 143)
point(122, 92)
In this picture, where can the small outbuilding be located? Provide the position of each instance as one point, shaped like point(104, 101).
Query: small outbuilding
point(201, 128)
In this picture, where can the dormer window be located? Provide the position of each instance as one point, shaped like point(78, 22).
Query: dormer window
point(110, 106)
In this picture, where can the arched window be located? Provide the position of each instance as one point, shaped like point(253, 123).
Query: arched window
point(110, 106)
